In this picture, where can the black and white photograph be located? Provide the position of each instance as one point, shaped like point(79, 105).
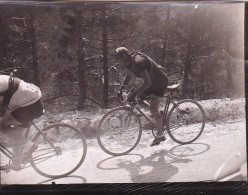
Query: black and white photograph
point(122, 92)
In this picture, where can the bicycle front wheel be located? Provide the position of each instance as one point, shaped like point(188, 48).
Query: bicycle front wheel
point(119, 131)
point(61, 150)
point(186, 121)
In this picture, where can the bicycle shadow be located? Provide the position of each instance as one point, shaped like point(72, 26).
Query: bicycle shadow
point(158, 167)
point(192, 149)
point(112, 160)
point(64, 180)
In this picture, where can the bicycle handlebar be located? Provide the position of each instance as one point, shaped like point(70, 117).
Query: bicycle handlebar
point(12, 70)
point(136, 101)
point(8, 71)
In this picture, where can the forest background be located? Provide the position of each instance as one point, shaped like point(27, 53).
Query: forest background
point(67, 48)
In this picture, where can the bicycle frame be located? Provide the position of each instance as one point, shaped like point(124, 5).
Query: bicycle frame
point(169, 100)
point(9, 154)
point(40, 131)
point(6, 151)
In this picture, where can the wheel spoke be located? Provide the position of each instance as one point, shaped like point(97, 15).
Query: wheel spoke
point(186, 121)
point(119, 131)
point(43, 159)
point(60, 143)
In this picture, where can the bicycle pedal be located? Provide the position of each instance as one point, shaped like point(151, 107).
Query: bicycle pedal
point(15, 168)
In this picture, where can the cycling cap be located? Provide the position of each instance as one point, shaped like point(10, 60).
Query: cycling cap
point(121, 50)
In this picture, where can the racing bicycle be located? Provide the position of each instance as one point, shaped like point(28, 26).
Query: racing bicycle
point(61, 149)
point(119, 130)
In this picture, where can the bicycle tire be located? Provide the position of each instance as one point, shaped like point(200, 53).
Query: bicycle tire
point(169, 119)
point(101, 138)
point(73, 139)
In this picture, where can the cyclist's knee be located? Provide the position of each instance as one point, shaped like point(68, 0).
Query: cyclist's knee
point(155, 113)
point(154, 108)
point(2, 123)
point(6, 121)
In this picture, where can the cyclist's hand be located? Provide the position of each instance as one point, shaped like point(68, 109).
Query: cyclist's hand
point(119, 95)
point(131, 97)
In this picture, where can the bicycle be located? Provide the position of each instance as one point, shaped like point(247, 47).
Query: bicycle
point(56, 144)
point(119, 130)
point(53, 150)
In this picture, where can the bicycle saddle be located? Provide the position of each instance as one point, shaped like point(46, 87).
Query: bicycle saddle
point(174, 86)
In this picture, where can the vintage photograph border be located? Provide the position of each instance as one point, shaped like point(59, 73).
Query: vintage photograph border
point(148, 188)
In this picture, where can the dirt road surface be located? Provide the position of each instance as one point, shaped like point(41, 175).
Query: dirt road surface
point(168, 162)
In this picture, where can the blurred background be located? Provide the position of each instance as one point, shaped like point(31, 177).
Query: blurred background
point(66, 47)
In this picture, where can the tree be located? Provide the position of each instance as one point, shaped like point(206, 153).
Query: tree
point(80, 59)
point(34, 49)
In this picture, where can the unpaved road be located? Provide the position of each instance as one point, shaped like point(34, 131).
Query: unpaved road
point(168, 162)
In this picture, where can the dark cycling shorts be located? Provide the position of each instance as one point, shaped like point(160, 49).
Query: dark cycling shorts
point(26, 114)
point(158, 92)
point(158, 88)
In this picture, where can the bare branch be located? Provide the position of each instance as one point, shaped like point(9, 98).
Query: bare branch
point(45, 47)
point(16, 18)
point(55, 97)
point(94, 47)
point(97, 57)
point(15, 38)
point(202, 56)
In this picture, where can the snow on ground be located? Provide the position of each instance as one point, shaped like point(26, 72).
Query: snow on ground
point(168, 162)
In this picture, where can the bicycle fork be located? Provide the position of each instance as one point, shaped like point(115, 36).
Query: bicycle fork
point(56, 149)
point(129, 115)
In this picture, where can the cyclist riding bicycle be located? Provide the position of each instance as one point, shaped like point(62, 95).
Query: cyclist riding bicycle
point(22, 102)
point(154, 83)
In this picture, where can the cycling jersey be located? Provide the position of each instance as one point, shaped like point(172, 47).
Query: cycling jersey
point(24, 95)
point(140, 62)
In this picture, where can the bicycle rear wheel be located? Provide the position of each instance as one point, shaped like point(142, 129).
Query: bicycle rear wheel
point(119, 131)
point(186, 121)
point(61, 150)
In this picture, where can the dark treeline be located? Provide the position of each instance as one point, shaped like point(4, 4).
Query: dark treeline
point(66, 49)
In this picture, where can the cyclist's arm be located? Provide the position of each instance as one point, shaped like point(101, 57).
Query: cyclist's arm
point(145, 85)
point(126, 80)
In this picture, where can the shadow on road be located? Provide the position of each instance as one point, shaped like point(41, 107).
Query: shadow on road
point(108, 163)
point(189, 149)
point(68, 179)
point(158, 167)
point(150, 169)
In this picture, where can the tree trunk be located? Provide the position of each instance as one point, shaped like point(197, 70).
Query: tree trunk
point(186, 72)
point(80, 53)
point(105, 59)
point(34, 51)
point(165, 38)
point(163, 55)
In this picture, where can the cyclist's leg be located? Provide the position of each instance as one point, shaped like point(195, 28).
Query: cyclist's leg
point(20, 118)
point(144, 104)
point(13, 137)
point(154, 108)
point(7, 120)
point(25, 115)
point(9, 132)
